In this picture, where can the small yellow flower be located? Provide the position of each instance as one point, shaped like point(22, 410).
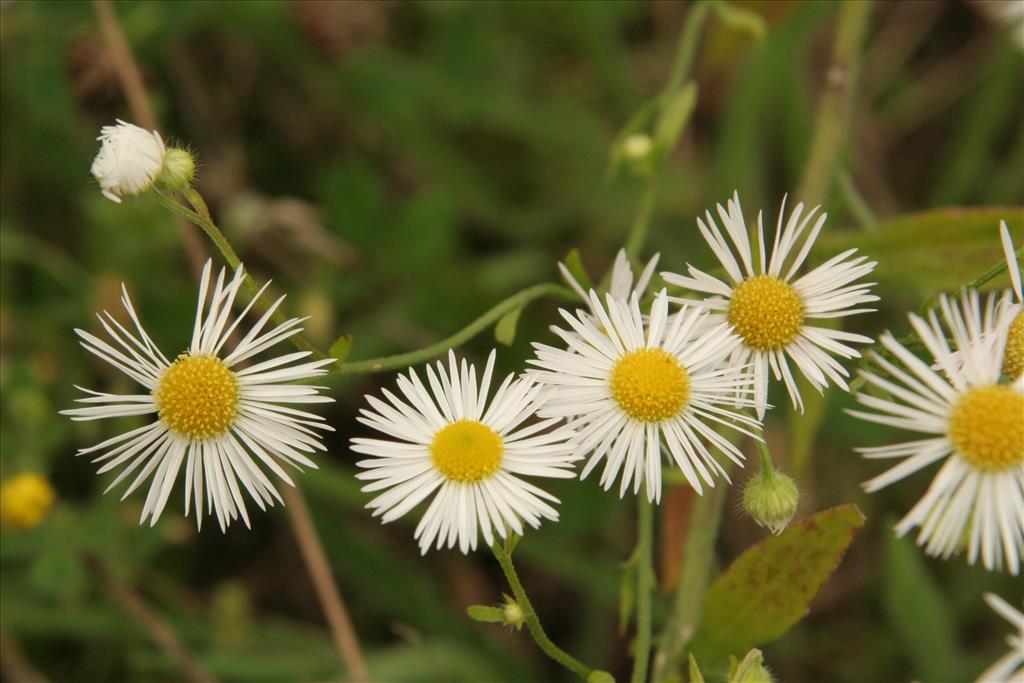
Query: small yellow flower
point(25, 500)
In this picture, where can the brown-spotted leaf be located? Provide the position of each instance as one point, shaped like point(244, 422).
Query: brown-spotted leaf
point(769, 587)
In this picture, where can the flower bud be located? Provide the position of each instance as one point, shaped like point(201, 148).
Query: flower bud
point(770, 498)
point(129, 160)
point(751, 670)
point(25, 500)
point(513, 613)
point(178, 170)
point(637, 147)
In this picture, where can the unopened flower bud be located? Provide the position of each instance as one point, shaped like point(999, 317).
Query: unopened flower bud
point(129, 160)
point(637, 147)
point(179, 169)
point(513, 613)
point(770, 498)
point(751, 670)
point(25, 500)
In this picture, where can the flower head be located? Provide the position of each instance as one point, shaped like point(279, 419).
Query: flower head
point(1009, 667)
point(770, 498)
point(772, 309)
point(629, 388)
point(25, 499)
point(467, 448)
point(974, 424)
point(129, 161)
point(213, 414)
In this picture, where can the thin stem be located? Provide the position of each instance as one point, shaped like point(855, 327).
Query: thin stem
point(766, 456)
point(644, 586)
point(641, 224)
point(833, 121)
point(344, 632)
point(698, 552)
point(532, 620)
point(157, 629)
point(491, 316)
point(686, 50)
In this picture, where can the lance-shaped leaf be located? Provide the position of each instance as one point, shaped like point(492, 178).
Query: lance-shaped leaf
point(770, 586)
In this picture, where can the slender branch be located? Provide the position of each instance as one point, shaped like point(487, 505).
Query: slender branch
point(130, 78)
point(686, 50)
point(532, 620)
point(833, 122)
point(698, 552)
point(644, 586)
point(491, 316)
point(342, 630)
point(766, 456)
point(159, 632)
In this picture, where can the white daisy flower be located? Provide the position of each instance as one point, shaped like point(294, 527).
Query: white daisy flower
point(213, 414)
point(631, 388)
point(769, 307)
point(973, 423)
point(1013, 360)
point(622, 286)
point(473, 452)
point(129, 160)
point(1009, 667)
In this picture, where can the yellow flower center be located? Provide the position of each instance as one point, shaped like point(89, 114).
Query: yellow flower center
point(1013, 358)
point(766, 312)
point(467, 451)
point(197, 396)
point(987, 428)
point(650, 385)
point(25, 500)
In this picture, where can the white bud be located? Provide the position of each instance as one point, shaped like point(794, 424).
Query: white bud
point(637, 147)
point(129, 160)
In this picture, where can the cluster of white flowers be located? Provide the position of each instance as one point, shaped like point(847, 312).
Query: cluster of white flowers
point(636, 384)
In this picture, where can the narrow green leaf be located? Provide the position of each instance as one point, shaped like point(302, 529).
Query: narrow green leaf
point(741, 19)
point(486, 614)
point(574, 264)
point(769, 587)
point(342, 347)
point(505, 329)
point(940, 249)
point(695, 675)
point(917, 610)
point(673, 120)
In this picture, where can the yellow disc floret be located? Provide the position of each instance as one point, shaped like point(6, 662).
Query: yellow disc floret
point(987, 428)
point(467, 451)
point(650, 385)
point(766, 312)
point(197, 396)
point(1013, 358)
point(25, 500)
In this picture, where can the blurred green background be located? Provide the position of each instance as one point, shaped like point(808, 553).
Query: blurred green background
point(398, 168)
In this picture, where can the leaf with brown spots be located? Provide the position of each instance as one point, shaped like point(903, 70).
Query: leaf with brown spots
point(769, 587)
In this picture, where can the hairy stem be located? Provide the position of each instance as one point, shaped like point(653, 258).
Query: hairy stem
point(532, 620)
point(644, 587)
point(490, 317)
point(698, 552)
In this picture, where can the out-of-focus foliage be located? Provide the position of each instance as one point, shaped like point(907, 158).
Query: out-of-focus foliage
point(398, 168)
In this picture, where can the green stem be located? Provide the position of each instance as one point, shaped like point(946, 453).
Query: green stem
point(833, 121)
point(200, 215)
point(686, 50)
point(492, 315)
point(766, 456)
point(644, 587)
point(638, 231)
point(698, 552)
point(532, 621)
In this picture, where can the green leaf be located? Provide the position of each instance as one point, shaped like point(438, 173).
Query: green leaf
point(342, 347)
point(505, 329)
point(486, 614)
point(673, 120)
point(574, 264)
point(769, 587)
point(941, 249)
point(598, 676)
point(916, 608)
point(741, 19)
point(695, 675)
